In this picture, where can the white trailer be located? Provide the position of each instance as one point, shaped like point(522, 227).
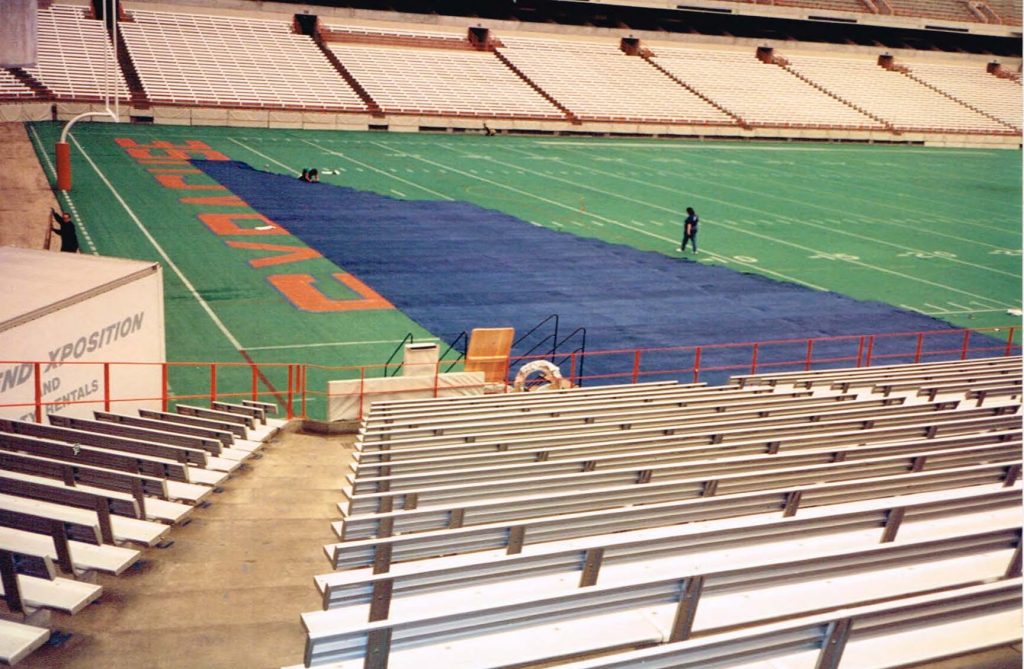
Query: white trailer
point(69, 324)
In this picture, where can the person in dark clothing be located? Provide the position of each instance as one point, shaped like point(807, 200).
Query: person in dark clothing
point(305, 175)
point(314, 176)
point(68, 235)
point(690, 230)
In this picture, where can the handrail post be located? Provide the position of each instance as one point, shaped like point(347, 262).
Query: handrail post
point(554, 342)
point(38, 373)
point(164, 392)
point(291, 392)
point(213, 382)
point(636, 365)
point(810, 354)
point(583, 355)
point(106, 386)
point(860, 350)
point(255, 388)
point(304, 369)
point(965, 345)
point(572, 368)
point(753, 361)
point(437, 377)
point(917, 349)
point(871, 350)
point(1009, 341)
point(696, 365)
point(362, 391)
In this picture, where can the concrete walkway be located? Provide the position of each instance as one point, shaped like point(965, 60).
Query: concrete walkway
point(229, 592)
point(25, 195)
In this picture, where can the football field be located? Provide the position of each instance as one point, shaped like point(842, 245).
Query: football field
point(933, 231)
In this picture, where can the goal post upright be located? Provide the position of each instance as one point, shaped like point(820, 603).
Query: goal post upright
point(62, 150)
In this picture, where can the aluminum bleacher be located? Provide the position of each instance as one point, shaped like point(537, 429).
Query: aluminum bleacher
point(850, 6)
point(442, 81)
point(12, 87)
point(762, 94)
point(396, 35)
point(79, 497)
point(948, 10)
point(597, 82)
point(1000, 98)
point(1009, 11)
point(260, 65)
point(890, 95)
point(489, 560)
point(898, 632)
point(71, 51)
point(221, 61)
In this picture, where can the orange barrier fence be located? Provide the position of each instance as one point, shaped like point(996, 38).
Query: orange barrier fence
point(30, 389)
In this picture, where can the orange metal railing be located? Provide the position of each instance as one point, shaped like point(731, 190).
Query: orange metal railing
point(30, 389)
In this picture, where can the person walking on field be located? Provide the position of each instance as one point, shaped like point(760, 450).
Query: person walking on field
point(690, 230)
point(68, 236)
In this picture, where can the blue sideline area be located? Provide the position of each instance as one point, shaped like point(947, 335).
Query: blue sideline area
point(453, 266)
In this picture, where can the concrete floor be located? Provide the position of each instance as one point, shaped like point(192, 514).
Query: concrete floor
point(229, 591)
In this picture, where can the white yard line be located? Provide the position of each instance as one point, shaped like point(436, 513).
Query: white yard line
point(264, 156)
point(380, 171)
point(959, 221)
point(733, 147)
point(750, 232)
point(674, 241)
point(331, 344)
point(159, 249)
point(748, 191)
point(67, 196)
point(858, 263)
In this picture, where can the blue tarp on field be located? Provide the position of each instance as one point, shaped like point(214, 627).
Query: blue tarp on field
point(454, 266)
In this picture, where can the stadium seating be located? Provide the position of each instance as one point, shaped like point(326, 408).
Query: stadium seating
point(972, 85)
point(947, 10)
point(86, 496)
point(71, 50)
point(221, 61)
point(943, 9)
point(447, 529)
point(854, 6)
point(201, 60)
point(18, 640)
point(597, 82)
point(891, 96)
point(761, 94)
point(850, 378)
point(442, 81)
point(893, 632)
point(12, 87)
point(1007, 10)
point(406, 36)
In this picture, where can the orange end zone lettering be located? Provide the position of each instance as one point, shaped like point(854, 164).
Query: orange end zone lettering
point(224, 224)
point(299, 289)
point(215, 201)
point(161, 161)
point(191, 148)
point(177, 182)
point(287, 253)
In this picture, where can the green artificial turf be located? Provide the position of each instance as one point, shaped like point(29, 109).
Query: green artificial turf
point(932, 230)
